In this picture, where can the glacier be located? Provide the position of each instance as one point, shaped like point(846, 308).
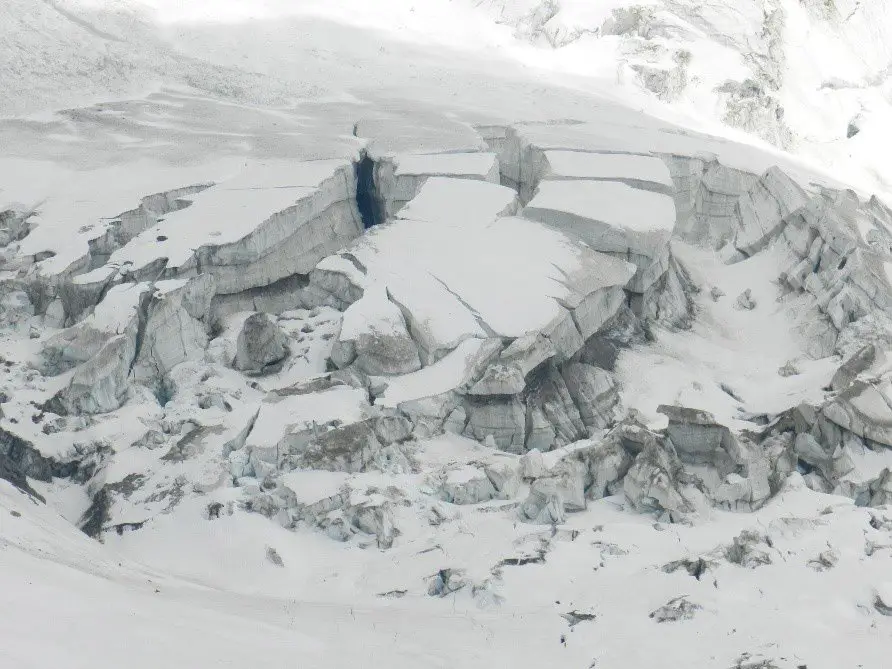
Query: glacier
point(501, 333)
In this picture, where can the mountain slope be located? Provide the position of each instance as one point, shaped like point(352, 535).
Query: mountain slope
point(458, 333)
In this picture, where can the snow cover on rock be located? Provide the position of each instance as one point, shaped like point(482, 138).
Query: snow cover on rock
point(353, 342)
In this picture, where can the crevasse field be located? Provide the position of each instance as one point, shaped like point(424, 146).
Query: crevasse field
point(446, 333)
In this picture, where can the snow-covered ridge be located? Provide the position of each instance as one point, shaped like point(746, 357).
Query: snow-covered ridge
point(790, 71)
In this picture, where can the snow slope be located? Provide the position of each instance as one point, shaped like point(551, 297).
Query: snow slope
point(574, 347)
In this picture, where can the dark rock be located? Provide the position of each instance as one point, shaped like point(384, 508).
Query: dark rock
point(19, 460)
point(576, 617)
point(675, 610)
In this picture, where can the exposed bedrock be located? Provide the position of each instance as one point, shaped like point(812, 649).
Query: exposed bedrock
point(21, 460)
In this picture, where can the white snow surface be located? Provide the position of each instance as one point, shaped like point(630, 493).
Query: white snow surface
point(446, 164)
point(450, 372)
point(611, 167)
point(740, 349)
point(609, 202)
point(106, 103)
point(226, 212)
point(279, 415)
point(458, 202)
point(310, 487)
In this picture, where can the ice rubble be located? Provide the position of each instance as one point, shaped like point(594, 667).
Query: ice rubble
point(492, 311)
point(471, 363)
point(527, 386)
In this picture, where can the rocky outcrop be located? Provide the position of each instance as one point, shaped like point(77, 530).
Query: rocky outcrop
point(19, 460)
